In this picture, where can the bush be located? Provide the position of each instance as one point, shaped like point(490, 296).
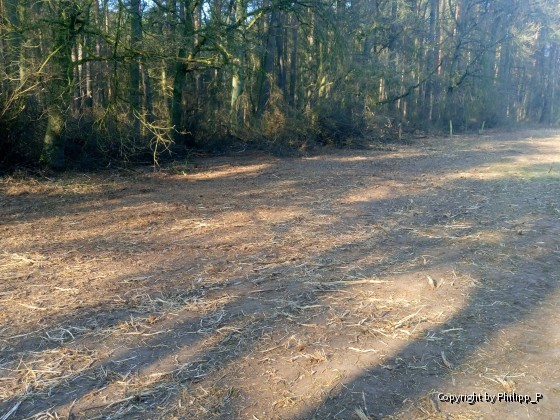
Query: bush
point(21, 130)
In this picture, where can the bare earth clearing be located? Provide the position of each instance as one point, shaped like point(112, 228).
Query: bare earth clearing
point(353, 284)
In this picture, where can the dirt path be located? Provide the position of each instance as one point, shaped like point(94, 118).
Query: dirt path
point(356, 284)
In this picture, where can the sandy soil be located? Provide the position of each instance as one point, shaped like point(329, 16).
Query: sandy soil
point(378, 283)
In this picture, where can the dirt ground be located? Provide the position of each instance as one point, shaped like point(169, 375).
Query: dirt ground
point(376, 283)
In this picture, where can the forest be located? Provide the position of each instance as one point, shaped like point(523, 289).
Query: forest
point(273, 209)
point(135, 81)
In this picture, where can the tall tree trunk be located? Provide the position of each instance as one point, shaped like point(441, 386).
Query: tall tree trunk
point(294, 62)
point(394, 47)
point(268, 62)
point(148, 103)
point(181, 69)
point(548, 80)
point(134, 66)
point(371, 9)
point(15, 14)
point(431, 84)
point(61, 84)
point(98, 88)
point(77, 56)
point(281, 59)
point(504, 79)
point(170, 29)
point(237, 79)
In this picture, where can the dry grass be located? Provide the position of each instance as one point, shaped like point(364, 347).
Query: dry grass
point(351, 286)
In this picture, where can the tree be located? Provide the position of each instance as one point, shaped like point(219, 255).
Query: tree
point(117, 76)
point(68, 22)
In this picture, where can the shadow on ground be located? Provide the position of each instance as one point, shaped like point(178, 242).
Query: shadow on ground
point(214, 308)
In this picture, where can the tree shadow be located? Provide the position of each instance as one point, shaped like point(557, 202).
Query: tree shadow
point(230, 328)
point(385, 390)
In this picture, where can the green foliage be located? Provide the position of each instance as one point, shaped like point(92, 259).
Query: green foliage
point(284, 131)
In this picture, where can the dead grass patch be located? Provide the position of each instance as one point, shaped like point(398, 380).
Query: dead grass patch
point(348, 286)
